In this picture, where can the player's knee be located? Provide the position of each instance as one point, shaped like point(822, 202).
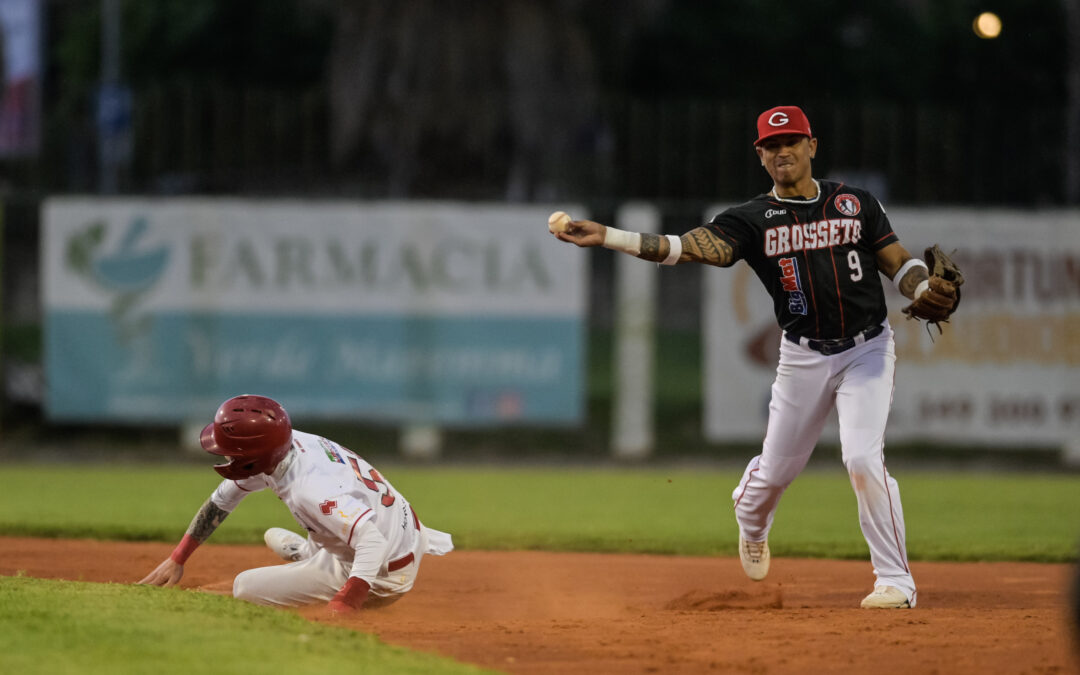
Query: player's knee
point(244, 587)
point(778, 474)
point(863, 468)
point(266, 586)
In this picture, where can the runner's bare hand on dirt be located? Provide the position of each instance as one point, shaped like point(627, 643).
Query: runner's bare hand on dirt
point(168, 573)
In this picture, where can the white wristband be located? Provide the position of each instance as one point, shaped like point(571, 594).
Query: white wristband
point(621, 240)
point(675, 244)
point(921, 288)
point(905, 268)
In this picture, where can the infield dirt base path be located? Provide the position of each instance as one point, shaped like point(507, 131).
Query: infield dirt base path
point(530, 612)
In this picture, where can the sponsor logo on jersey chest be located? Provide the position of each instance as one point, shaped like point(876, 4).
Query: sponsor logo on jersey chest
point(792, 285)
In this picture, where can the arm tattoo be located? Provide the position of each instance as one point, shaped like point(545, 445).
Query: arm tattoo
point(704, 246)
point(914, 276)
point(206, 521)
point(650, 247)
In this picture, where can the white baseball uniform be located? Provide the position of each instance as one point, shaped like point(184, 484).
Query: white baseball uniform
point(817, 257)
point(859, 383)
point(336, 496)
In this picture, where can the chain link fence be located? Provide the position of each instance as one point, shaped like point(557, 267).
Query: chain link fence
point(188, 139)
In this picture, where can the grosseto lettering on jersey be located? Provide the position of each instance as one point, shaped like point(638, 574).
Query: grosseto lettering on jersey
point(789, 281)
point(784, 239)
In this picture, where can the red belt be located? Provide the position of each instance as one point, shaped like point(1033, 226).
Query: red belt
point(394, 565)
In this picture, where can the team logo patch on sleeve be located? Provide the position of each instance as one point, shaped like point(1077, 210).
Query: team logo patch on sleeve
point(847, 204)
point(331, 451)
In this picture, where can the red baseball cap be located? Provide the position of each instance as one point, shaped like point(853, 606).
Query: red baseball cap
point(783, 119)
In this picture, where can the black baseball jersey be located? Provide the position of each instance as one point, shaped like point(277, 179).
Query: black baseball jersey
point(816, 257)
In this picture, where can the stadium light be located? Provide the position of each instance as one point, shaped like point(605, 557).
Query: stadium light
point(987, 25)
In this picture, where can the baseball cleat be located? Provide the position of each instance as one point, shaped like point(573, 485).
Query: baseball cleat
point(755, 558)
point(886, 597)
point(285, 543)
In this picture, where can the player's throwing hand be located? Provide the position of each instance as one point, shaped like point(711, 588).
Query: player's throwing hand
point(583, 233)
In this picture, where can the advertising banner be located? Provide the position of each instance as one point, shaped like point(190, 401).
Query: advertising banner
point(20, 96)
point(448, 313)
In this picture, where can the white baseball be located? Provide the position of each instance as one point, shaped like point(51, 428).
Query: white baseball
point(558, 222)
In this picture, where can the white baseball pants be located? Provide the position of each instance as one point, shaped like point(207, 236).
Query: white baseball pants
point(859, 383)
point(319, 575)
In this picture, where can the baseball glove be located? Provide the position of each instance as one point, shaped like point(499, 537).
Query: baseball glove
point(942, 296)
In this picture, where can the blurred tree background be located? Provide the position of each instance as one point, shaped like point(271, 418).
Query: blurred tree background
point(560, 99)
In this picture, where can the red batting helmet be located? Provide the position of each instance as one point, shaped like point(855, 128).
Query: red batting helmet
point(254, 432)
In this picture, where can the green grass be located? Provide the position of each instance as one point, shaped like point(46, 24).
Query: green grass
point(950, 516)
point(60, 627)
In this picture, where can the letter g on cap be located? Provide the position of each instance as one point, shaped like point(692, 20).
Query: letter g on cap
point(778, 119)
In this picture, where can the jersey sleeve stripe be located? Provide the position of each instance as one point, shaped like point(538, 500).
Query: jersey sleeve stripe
point(352, 529)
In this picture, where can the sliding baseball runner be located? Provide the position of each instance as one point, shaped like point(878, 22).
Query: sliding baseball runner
point(363, 537)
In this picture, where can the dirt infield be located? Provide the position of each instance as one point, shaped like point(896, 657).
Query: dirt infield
point(529, 612)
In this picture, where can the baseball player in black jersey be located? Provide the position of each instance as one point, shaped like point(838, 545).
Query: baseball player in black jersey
point(818, 246)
